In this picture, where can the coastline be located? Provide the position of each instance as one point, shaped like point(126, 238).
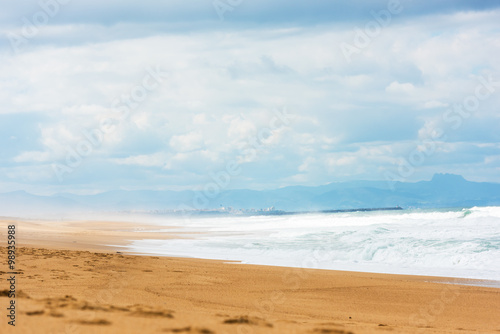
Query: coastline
point(71, 281)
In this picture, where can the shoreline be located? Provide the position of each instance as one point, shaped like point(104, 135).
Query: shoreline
point(85, 287)
point(91, 235)
point(465, 281)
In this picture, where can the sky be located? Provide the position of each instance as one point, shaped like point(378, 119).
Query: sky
point(98, 96)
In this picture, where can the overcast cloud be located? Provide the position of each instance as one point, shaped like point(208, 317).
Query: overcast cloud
point(183, 93)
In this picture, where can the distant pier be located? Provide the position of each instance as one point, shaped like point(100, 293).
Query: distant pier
point(363, 209)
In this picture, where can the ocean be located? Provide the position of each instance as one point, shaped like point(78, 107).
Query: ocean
point(453, 242)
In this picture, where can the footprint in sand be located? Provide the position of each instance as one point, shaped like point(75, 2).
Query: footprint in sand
point(188, 329)
point(39, 312)
point(100, 322)
point(20, 294)
point(56, 315)
point(248, 321)
point(152, 313)
point(331, 331)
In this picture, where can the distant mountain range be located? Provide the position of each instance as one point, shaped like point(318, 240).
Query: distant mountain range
point(444, 190)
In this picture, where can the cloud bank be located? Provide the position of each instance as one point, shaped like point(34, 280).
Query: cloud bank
point(159, 96)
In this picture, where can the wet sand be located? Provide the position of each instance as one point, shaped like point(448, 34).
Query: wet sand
point(69, 281)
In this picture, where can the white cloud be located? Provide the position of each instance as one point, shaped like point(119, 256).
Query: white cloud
point(397, 88)
point(307, 164)
point(435, 104)
point(239, 128)
point(187, 142)
point(30, 174)
point(33, 156)
point(222, 86)
point(158, 159)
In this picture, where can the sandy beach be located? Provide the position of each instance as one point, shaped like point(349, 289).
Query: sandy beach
point(69, 281)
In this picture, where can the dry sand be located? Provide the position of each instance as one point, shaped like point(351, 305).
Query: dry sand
point(70, 282)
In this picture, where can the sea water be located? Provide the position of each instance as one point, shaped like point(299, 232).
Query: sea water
point(455, 242)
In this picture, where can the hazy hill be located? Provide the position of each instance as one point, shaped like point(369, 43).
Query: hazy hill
point(444, 190)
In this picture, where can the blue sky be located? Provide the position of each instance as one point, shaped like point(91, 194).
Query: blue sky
point(165, 96)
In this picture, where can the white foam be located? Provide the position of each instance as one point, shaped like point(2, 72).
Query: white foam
point(452, 243)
